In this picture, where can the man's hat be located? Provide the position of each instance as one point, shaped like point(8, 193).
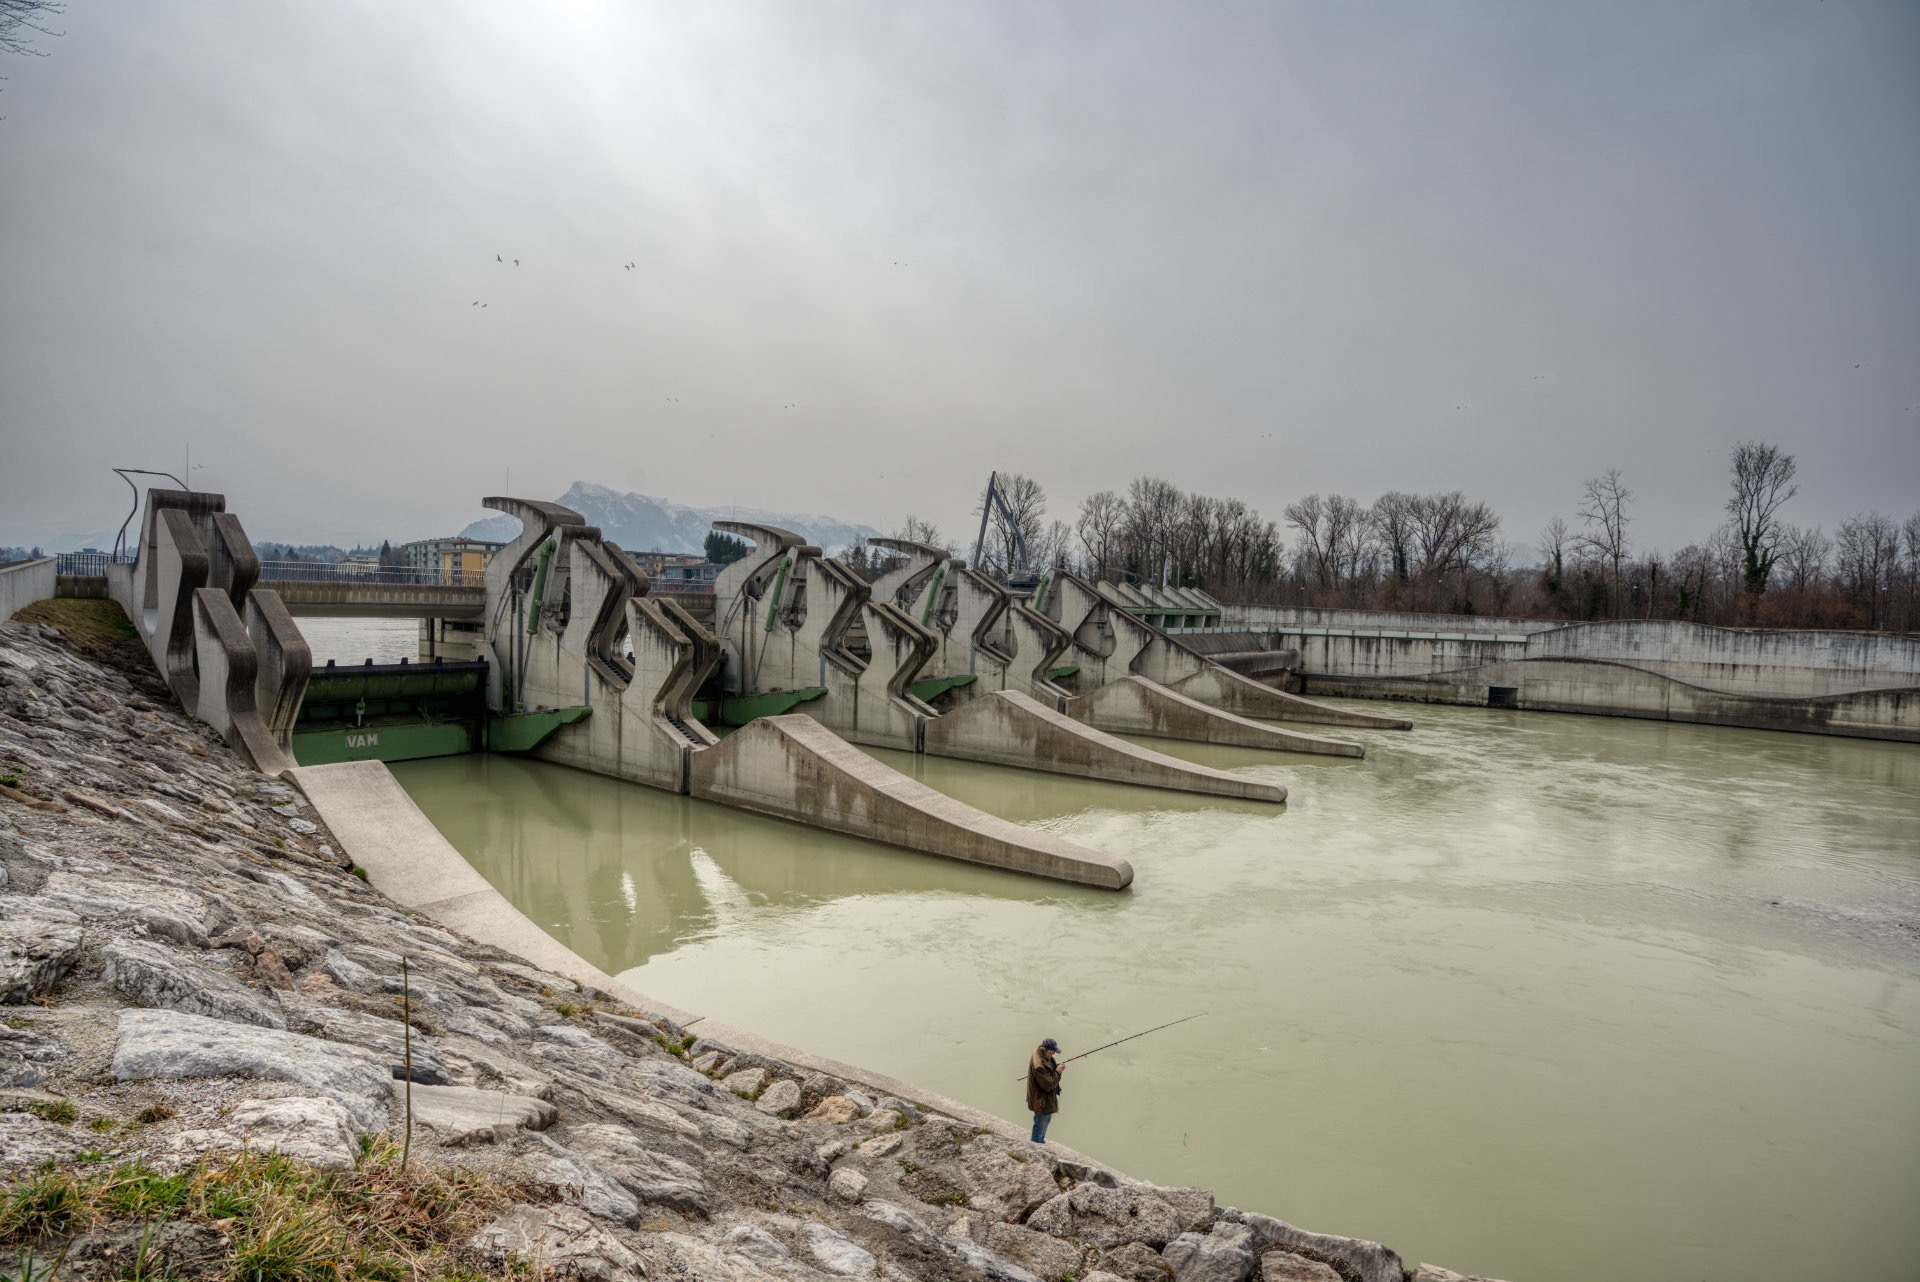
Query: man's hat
point(1049, 1045)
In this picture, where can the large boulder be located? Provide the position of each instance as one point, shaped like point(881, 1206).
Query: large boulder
point(1110, 1217)
point(1224, 1255)
point(779, 1099)
point(1003, 1184)
point(1044, 1256)
point(153, 974)
point(559, 1242)
point(1354, 1258)
point(35, 951)
point(173, 1045)
point(1285, 1266)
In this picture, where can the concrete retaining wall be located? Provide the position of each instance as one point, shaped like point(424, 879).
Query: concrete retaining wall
point(24, 582)
point(1849, 683)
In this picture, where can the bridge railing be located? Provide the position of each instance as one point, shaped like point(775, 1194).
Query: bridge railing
point(341, 572)
point(680, 587)
point(88, 564)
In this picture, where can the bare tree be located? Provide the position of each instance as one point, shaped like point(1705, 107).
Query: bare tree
point(1604, 509)
point(1027, 510)
point(21, 20)
point(1868, 549)
point(1803, 556)
point(1393, 518)
point(1102, 517)
point(1312, 556)
point(915, 530)
point(1762, 481)
point(1554, 542)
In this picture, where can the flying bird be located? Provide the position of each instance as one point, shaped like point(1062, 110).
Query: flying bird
point(497, 258)
point(516, 262)
point(476, 302)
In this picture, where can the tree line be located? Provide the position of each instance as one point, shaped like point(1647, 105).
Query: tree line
point(1443, 552)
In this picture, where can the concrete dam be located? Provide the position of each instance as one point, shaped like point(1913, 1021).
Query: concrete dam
point(577, 662)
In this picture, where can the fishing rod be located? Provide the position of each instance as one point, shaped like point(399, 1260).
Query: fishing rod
point(1096, 1050)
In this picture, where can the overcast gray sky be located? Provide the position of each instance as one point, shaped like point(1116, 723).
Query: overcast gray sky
point(1261, 250)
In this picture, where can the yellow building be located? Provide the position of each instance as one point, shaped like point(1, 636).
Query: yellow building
point(465, 560)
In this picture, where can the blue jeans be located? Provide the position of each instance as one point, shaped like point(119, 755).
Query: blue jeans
point(1040, 1123)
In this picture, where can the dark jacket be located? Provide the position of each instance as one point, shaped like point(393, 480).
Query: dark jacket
point(1043, 1085)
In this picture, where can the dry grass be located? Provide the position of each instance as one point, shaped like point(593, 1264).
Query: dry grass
point(279, 1220)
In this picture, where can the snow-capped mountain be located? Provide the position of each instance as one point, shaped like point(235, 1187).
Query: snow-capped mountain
point(641, 523)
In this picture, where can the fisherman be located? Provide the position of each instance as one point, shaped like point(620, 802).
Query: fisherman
point(1043, 1087)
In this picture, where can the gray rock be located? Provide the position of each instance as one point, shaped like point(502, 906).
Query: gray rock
point(1109, 1217)
point(984, 1262)
point(463, 1115)
point(580, 1184)
point(1224, 1255)
point(847, 1185)
point(25, 1055)
point(707, 1063)
point(26, 1140)
point(837, 1253)
point(1195, 1207)
point(909, 1111)
point(834, 1110)
point(1351, 1257)
point(897, 1218)
point(651, 1176)
point(154, 974)
point(1039, 1253)
point(386, 1037)
point(35, 952)
point(1135, 1263)
point(1003, 1185)
point(748, 1082)
point(755, 1244)
point(781, 1097)
point(320, 1132)
point(1285, 1266)
point(559, 1242)
point(1434, 1273)
point(348, 973)
point(172, 1045)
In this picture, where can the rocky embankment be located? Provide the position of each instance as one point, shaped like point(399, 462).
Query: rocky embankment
point(188, 973)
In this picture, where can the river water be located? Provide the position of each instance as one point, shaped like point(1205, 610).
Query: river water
point(1541, 997)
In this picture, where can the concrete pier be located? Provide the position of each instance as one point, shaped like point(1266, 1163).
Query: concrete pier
point(953, 623)
point(185, 594)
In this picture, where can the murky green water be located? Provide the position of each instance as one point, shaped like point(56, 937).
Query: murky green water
point(1542, 997)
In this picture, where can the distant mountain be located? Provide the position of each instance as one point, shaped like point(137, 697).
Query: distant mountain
point(639, 523)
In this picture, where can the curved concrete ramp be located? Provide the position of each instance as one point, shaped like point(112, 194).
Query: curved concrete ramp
point(1135, 705)
point(1007, 728)
point(1245, 697)
point(792, 767)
